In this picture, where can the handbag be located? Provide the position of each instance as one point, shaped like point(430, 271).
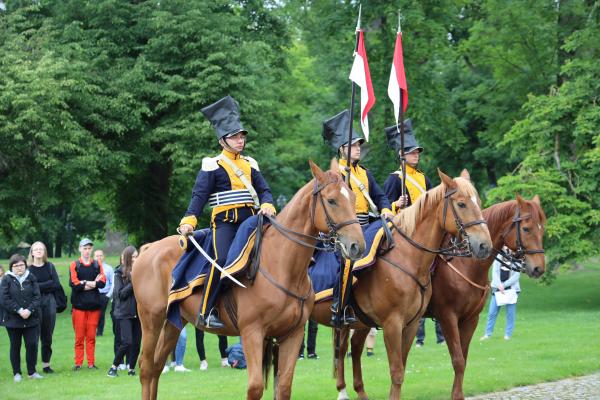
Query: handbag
point(61, 299)
point(508, 297)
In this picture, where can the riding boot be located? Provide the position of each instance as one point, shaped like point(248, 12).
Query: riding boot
point(207, 316)
point(211, 321)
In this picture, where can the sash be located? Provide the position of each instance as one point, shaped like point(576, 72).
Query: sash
point(363, 190)
point(240, 174)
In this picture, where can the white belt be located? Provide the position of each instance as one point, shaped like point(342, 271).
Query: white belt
point(229, 197)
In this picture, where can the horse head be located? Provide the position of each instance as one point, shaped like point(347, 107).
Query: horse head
point(460, 213)
point(524, 235)
point(333, 210)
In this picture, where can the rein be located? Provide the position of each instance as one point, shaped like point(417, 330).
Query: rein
point(457, 249)
point(516, 258)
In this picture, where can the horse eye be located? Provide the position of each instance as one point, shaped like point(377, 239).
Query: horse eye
point(332, 202)
point(461, 204)
point(525, 229)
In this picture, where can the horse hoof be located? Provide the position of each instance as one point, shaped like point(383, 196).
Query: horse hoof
point(343, 395)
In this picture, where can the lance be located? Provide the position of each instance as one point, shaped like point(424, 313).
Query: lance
point(401, 130)
point(348, 159)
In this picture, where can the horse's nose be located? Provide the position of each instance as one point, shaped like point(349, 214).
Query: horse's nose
point(355, 251)
point(484, 250)
point(537, 272)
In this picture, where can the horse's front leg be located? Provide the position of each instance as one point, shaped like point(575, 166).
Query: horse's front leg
point(466, 331)
point(339, 362)
point(357, 345)
point(288, 355)
point(253, 339)
point(392, 336)
point(164, 346)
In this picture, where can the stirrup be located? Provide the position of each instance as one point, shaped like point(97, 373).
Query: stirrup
point(348, 316)
point(211, 321)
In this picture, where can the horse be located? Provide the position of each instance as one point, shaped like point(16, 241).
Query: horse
point(274, 306)
point(393, 292)
point(460, 286)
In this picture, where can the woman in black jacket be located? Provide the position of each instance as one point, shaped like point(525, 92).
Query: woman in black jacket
point(125, 313)
point(21, 300)
point(47, 278)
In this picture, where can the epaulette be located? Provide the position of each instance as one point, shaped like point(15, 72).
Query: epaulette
point(252, 161)
point(210, 163)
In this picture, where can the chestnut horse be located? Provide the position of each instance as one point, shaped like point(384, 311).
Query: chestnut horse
point(275, 305)
point(394, 292)
point(460, 285)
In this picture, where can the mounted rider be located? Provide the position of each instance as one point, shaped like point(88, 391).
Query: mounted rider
point(233, 187)
point(416, 181)
point(369, 199)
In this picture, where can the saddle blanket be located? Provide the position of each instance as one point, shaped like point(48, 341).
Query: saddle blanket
point(324, 273)
point(192, 268)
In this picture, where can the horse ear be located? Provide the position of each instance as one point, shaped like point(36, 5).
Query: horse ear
point(465, 175)
point(446, 179)
point(315, 170)
point(536, 200)
point(521, 201)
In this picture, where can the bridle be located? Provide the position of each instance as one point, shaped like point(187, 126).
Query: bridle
point(330, 239)
point(516, 258)
point(458, 248)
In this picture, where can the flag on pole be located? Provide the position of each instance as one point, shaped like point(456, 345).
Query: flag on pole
point(361, 75)
point(397, 85)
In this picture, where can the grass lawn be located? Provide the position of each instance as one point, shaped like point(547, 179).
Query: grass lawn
point(556, 336)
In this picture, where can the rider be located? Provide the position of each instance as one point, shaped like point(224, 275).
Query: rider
point(416, 181)
point(235, 190)
point(369, 197)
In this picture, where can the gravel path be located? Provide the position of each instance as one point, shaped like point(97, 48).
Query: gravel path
point(581, 388)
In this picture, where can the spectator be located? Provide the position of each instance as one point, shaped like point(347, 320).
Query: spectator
point(202, 352)
point(47, 278)
point(115, 324)
point(421, 333)
point(1, 304)
point(370, 342)
point(311, 342)
point(21, 299)
point(125, 313)
point(503, 280)
point(106, 291)
point(178, 354)
point(86, 278)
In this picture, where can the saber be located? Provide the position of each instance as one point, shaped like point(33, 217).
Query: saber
point(214, 263)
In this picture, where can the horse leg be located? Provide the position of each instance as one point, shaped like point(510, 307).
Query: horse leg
point(288, 354)
point(392, 336)
point(466, 329)
point(454, 342)
point(253, 343)
point(408, 336)
point(151, 326)
point(357, 344)
point(339, 372)
point(164, 346)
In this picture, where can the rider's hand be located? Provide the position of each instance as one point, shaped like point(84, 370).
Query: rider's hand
point(267, 211)
point(186, 229)
point(402, 201)
point(387, 215)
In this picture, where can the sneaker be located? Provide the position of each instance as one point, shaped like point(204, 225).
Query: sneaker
point(93, 366)
point(419, 344)
point(122, 367)
point(77, 368)
point(112, 373)
point(181, 368)
point(506, 337)
point(301, 357)
point(48, 370)
point(484, 337)
point(370, 353)
point(165, 369)
point(35, 375)
point(313, 356)
point(18, 378)
point(131, 372)
point(225, 363)
point(203, 365)
point(173, 364)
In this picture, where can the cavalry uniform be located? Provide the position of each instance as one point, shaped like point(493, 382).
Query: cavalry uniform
point(233, 187)
point(369, 198)
point(416, 181)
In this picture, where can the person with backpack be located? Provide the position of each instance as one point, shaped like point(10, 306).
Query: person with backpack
point(21, 300)
point(86, 278)
point(47, 278)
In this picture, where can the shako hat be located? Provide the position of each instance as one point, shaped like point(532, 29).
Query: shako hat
point(335, 131)
point(224, 115)
point(410, 142)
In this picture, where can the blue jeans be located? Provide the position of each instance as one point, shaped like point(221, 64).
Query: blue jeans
point(180, 348)
point(511, 313)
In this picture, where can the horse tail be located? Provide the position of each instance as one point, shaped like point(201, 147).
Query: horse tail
point(337, 335)
point(268, 359)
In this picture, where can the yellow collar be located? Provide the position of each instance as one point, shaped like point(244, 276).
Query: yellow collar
point(410, 170)
point(230, 155)
point(344, 163)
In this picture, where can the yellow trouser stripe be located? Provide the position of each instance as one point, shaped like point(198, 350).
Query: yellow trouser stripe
point(208, 282)
point(344, 280)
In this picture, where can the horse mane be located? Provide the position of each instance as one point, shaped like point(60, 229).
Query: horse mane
point(411, 216)
point(498, 214)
